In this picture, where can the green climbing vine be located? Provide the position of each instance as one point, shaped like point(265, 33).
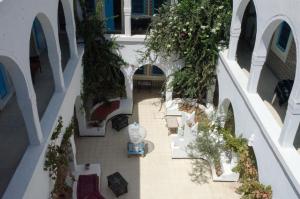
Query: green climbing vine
point(56, 159)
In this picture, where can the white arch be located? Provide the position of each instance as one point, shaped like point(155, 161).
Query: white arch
point(54, 53)
point(225, 105)
point(128, 72)
point(25, 97)
point(261, 49)
point(238, 12)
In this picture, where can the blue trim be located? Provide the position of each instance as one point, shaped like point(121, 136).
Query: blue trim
point(3, 83)
point(283, 36)
point(109, 14)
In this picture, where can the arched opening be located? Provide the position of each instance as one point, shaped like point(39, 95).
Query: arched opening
point(13, 133)
point(148, 81)
point(63, 36)
point(247, 38)
point(227, 116)
point(278, 72)
point(40, 67)
point(149, 77)
point(229, 121)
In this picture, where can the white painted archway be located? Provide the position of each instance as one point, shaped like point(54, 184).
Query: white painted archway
point(25, 97)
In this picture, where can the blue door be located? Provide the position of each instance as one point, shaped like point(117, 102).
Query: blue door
point(3, 85)
point(109, 14)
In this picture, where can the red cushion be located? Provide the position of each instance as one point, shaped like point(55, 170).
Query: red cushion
point(87, 184)
point(104, 110)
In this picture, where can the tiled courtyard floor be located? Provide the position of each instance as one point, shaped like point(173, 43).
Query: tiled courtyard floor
point(156, 176)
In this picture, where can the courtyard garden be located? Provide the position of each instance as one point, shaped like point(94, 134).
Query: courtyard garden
point(203, 157)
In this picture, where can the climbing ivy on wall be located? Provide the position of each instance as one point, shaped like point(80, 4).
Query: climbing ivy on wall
point(195, 31)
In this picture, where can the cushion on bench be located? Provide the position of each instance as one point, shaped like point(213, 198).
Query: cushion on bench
point(101, 112)
point(88, 187)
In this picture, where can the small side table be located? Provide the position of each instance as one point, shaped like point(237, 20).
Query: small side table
point(117, 184)
point(172, 124)
point(119, 122)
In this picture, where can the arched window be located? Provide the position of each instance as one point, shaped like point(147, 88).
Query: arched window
point(155, 71)
point(40, 67)
point(247, 38)
point(63, 37)
point(13, 131)
point(141, 71)
point(278, 72)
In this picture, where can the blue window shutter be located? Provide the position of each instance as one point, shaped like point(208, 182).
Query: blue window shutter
point(109, 14)
point(283, 36)
point(3, 85)
point(39, 35)
point(138, 6)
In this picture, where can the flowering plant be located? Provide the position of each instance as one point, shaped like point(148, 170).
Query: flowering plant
point(195, 31)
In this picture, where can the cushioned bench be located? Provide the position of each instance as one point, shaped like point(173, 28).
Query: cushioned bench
point(88, 187)
point(101, 111)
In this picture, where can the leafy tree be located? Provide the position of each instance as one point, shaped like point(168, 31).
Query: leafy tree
point(102, 77)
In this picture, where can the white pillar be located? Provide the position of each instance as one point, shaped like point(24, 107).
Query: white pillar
point(169, 90)
point(55, 62)
point(127, 17)
point(291, 124)
point(72, 154)
point(128, 76)
point(210, 94)
point(221, 114)
point(129, 87)
point(71, 31)
point(257, 64)
point(31, 117)
point(233, 42)
point(68, 8)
